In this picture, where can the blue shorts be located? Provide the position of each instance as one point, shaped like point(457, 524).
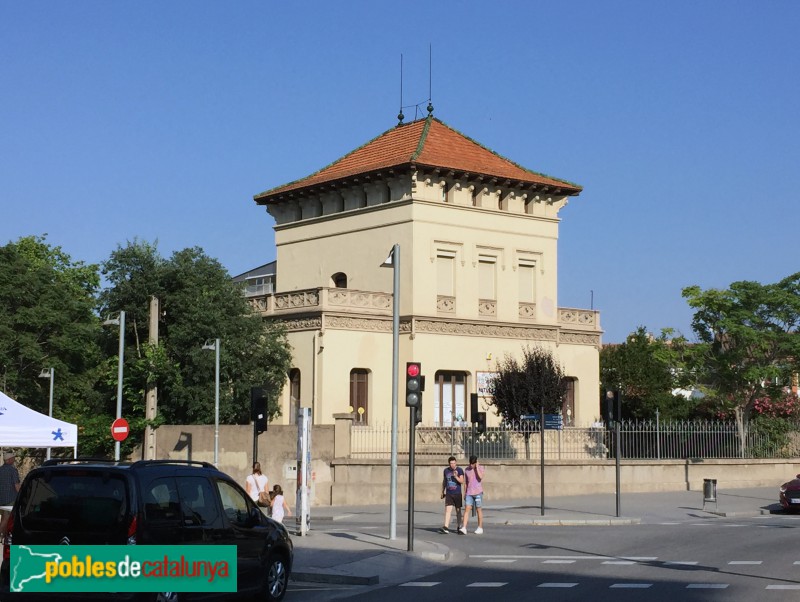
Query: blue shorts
point(474, 500)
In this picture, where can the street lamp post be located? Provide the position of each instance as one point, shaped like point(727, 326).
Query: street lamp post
point(51, 375)
point(215, 345)
point(393, 261)
point(113, 322)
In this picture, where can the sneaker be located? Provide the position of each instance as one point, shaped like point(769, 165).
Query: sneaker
point(479, 530)
point(444, 530)
point(462, 531)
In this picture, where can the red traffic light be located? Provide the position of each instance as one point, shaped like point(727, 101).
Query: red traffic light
point(412, 369)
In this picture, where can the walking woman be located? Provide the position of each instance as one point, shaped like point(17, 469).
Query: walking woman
point(256, 484)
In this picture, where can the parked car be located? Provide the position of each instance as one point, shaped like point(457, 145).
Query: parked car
point(151, 502)
point(790, 494)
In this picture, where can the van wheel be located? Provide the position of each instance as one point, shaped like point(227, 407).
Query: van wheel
point(277, 579)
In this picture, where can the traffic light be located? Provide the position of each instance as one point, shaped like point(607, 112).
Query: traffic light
point(258, 408)
point(418, 413)
point(480, 422)
point(414, 385)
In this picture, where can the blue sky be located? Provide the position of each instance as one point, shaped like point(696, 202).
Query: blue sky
point(160, 120)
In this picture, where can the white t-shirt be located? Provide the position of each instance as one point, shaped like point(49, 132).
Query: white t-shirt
point(255, 484)
point(277, 508)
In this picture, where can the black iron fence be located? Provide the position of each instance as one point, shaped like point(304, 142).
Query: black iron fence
point(649, 440)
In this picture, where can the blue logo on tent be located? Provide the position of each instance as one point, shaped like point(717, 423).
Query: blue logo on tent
point(57, 435)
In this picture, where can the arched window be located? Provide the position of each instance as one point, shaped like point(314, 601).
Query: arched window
point(339, 280)
point(359, 395)
point(294, 394)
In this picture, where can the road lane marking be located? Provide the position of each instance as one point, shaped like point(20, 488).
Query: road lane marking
point(681, 562)
point(488, 584)
point(503, 560)
point(631, 585)
point(625, 562)
point(745, 562)
point(558, 562)
point(707, 586)
point(783, 587)
point(420, 583)
point(557, 585)
point(542, 557)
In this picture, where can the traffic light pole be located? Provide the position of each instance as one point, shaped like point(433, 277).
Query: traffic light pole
point(255, 442)
point(411, 451)
point(541, 456)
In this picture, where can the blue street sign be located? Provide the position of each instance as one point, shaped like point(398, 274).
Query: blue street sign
point(553, 422)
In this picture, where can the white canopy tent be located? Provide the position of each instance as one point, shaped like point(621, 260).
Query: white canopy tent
point(21, 426)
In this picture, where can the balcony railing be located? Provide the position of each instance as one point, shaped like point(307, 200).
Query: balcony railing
point(376, 303)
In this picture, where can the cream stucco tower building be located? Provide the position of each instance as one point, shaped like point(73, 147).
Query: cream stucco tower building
point(478, 238)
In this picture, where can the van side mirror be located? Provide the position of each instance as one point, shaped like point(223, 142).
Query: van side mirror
point(255, 516)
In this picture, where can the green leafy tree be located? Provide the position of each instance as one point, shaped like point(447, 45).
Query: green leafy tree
point(47, 320)
point(526, 387)
point(749, 343)
point(646, 369)
point(198, 303)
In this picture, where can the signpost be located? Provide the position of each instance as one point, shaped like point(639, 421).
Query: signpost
point(120, 429)
point(547, 422)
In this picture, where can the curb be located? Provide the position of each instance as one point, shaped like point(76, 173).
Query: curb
point(570, 522)
point(441, 553)
point(333, 578)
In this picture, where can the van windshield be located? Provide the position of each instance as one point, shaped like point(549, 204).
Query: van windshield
point(84, 500)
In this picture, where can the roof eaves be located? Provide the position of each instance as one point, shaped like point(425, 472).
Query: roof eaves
point(522, 167)
point(260, 195)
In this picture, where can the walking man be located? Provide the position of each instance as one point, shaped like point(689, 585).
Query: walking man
point(474, 493)
point(9, 486)
point(452, 481)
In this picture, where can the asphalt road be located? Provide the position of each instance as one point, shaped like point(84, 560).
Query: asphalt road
point(741, 559)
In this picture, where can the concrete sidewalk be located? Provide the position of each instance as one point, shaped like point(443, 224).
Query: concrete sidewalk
point(351, 544)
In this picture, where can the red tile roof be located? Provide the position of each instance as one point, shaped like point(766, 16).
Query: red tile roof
point(426, 142)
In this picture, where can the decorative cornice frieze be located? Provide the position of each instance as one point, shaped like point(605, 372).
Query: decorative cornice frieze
point(297, 324)
point(579, 338)
point(485, 330)
point(347, 323)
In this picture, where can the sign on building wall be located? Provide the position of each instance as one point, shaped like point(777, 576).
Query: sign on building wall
point(484, 381)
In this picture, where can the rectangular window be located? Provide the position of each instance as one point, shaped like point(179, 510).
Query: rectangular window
point(359, 395)
point(449, 398)
point(487, 277)
point(527, 282)
point(445, 274)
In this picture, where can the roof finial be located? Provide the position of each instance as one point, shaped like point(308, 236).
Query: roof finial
point(400, 115)
point(430, 80)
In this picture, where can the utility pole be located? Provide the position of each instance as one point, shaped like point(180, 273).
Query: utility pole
point(151, 397)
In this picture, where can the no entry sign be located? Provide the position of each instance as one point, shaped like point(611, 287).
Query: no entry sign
point(120, 429)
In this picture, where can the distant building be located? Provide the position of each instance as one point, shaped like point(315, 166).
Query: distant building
point(478, 274)
point(258, 281)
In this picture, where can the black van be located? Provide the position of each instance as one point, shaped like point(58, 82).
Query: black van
point(152, 502)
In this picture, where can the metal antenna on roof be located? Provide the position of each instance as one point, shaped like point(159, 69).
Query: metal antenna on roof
point(430, 79)
point(400, 115)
